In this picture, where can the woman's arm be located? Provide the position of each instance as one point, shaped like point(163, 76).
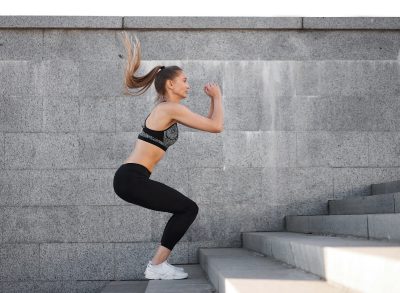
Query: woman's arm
point(218, 114)
point(213, 123)
point(211, 108)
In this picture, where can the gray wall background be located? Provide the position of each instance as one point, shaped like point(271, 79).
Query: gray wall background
point(311, 113)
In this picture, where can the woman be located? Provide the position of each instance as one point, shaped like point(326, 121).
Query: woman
point(132, 180)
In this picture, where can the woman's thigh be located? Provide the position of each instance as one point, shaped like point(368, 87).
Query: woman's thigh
point(157, 196)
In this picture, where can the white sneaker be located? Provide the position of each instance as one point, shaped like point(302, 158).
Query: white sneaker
point(176, 268)
point(163, 271)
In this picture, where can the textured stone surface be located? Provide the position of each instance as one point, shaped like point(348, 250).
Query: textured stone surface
point(19, 262)
point(193, 246)
point(100, 78)
point(23, 21)
point(332, 149)
point(53, 286)
point(209, 45)
point(222, 221)
point(77, 261)
point(354, 225)
point(228, 184)
point(20, 44)
point(57, 78)
point(56, 187)
point(385, 187)
point(378, 204)
point(76, 224)
point(247, 271)
point(131, 258)
point(309, 115)
point(18, 78)
point(212, 22)
point(384, 149)
point(383, 226)
point(255, 149)
point(177, 286)
point(343, 261)
point(351, 22)
point(21, 113)
point(297, 186)
point(397, 203)
point(354, 182)
point(93, 44)
point(2, 150)
point(41, 150)
point(126, 286)
point(50, 21)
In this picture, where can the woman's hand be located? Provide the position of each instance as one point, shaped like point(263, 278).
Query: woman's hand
point(212, 90)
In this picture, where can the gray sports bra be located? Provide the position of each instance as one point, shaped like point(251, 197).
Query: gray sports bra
point(161, 138)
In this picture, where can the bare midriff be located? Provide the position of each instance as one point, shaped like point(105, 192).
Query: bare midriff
point(145, 153)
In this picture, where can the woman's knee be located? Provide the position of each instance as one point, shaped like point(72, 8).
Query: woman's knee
point(193, 208)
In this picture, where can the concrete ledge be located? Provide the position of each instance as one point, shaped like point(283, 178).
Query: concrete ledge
point(126, 286)
point(374, 204)
point(213, 22)
point(11, 21)
point(351, 23)
point(242, 270)
point(386, 187)
point(196, 283)
point(344, 261)
point(371, 226)
point(201, 22)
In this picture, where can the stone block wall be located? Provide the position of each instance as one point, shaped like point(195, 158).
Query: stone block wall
point(311, 113)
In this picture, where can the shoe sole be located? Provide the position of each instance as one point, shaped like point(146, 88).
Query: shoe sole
point(153, 276)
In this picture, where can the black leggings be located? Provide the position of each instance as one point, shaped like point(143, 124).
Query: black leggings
point(132, 183)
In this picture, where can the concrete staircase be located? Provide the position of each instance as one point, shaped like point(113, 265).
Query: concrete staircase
point(355, 248)
point(197, 282)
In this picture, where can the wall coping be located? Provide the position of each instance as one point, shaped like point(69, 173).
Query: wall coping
point(201, 22)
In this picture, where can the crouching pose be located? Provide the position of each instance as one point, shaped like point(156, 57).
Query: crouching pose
point(132, 180)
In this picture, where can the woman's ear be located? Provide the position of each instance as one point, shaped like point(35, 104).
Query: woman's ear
point(170, 84)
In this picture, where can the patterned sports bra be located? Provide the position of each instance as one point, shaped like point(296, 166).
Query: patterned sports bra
point(161, 138)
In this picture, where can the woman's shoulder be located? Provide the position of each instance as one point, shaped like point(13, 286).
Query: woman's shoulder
point(163, 109)
point(169, 107)
point(168, 104)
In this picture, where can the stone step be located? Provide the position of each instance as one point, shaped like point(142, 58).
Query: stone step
point(362, 265)
point(240, 270)
point(196, 282)
point(386, 187)
point(369, 226)
point(125, 287)
point(374, 204)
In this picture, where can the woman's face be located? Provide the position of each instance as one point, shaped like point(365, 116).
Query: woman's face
point(181, 85)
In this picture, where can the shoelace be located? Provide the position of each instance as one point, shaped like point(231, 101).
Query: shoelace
point(175, 268)
point(171, 266)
